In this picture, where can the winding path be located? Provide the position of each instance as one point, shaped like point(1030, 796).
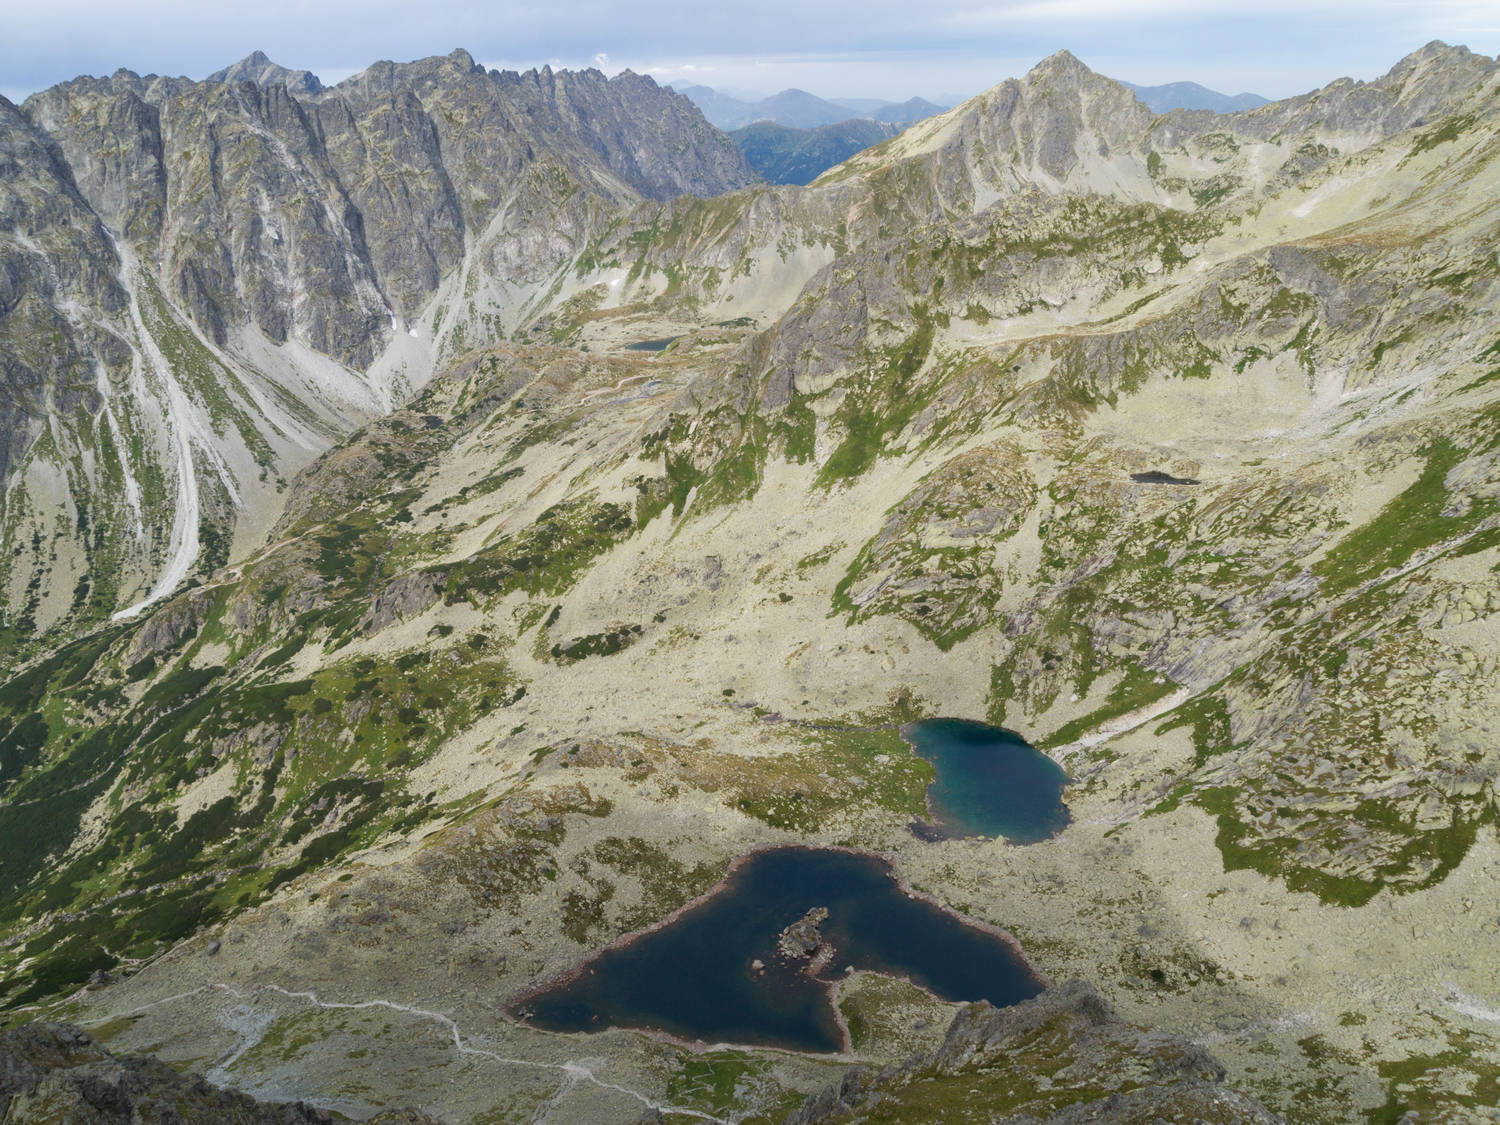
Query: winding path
point(574, 1071)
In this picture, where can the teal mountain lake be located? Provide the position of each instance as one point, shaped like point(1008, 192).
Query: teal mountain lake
point(990, 782)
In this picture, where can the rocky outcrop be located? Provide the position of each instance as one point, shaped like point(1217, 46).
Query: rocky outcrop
point(52, 1073)
point(934, 560)
point(357, 199)
point(403, 597)
point(1060, 1058)
point(176, 621)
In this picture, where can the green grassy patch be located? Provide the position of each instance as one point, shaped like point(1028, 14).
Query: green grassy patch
point(882, 403)
point(1443, 1085)
point(1412, 521)
point(546, 557)
point(803, 792)
point(1446, 133)
point(1277, 857)
point(1138, 687)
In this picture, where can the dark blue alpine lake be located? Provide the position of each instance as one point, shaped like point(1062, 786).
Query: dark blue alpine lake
point(658, 345)
point(716, 973)
point(990, 782)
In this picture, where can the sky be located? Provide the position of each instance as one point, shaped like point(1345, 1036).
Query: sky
point(889, 49)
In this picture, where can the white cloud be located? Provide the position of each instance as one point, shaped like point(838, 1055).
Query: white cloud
point(1359, 13)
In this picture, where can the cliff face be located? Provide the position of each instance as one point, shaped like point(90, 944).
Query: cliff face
point(321, 214)
point(204, 282)
point(57, 257)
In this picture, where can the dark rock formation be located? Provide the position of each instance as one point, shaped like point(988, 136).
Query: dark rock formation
point(403, 597)
point(52, 1073)
point(172, 624)
point(1061, 1058)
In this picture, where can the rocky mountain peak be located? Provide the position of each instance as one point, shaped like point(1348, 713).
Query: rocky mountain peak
point(630, 80)
point(463, 60)
point(1065, 74)
point(1439, 67)
point(1062, 66)
point(1436, 51)
point(258, 68)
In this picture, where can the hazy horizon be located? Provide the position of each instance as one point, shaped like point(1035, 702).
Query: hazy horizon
point(838, 49)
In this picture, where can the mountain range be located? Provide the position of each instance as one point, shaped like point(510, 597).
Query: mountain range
point(782, 155)
point(453, 515)
point(1190, 95)
point(797, 109)
point(794, 137)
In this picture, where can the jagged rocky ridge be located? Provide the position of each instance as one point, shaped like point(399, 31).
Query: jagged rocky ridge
point(207, 282)
point(923, 445)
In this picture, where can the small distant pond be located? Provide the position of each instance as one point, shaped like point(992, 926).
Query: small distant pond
point(659, 345)
point(755, 960)
point(1156, 476)
point(990, 782)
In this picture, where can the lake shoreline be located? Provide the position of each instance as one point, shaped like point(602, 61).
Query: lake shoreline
point(890, 860)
